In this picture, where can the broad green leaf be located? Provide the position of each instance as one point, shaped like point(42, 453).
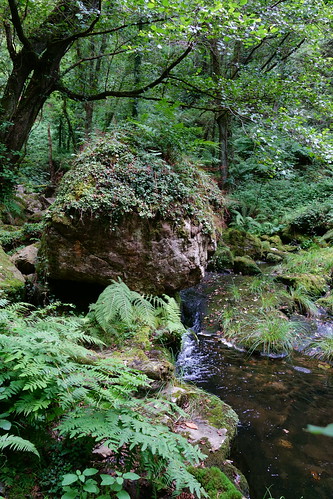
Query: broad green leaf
point(71, 494)
point(321, 430)
point(5, 425)
point(122, 494)
point(90, 471)
point(107, 479)
point(131, 476)
point(90, 486)
point(68, 479)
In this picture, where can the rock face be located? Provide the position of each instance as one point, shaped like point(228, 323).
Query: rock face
point(125, 212)
point(26, 259)
point(150, 256)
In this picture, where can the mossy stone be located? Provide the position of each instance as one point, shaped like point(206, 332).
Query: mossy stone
point(314, 285)
point(273, 258)
point(216, 483)
point(12, 282)
point(221, 260)
point(246, 266)
point(326, 302)
point(242, 243)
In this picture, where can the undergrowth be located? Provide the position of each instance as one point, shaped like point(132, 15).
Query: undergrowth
point(53, 382)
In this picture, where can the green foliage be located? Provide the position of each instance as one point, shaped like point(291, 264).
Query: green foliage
point(48, 377)
point(269, 334)
point(11, 237)
point(114, 176)
point(79, 486)
point(120, 311)
point(323, 347)
point(216, 483)
point(275, 201)
point(314, 219)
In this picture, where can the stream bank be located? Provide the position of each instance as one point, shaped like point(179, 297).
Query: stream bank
point(275, 398)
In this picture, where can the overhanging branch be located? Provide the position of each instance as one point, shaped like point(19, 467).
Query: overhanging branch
point(125, 93)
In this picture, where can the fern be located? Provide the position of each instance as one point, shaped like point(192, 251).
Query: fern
point(48, 376)
point(119, 305)
point(17, 443)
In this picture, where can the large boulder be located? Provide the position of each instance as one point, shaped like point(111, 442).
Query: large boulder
point(124, 212)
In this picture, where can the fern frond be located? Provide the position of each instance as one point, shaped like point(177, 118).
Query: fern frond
point(17, 443)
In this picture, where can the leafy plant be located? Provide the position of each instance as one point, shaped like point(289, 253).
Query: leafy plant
point(323, 347)
point(49, 377)
point(79, 486)
point(119, 309)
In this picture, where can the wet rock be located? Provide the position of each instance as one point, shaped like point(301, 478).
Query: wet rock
point(152, 256)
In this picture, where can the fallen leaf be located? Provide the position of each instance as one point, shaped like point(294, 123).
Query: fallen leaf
point(191, 425)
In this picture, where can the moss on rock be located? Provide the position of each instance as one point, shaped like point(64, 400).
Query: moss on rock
point(242, 243)
point(246, 266)
point(221, 260)
point(11, 280)
point(216, 483)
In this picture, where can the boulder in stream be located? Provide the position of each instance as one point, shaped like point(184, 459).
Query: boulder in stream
point(124, 212)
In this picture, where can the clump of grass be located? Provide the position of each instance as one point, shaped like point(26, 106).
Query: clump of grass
point(323, 347)
point(318, 261)
point(259, 284)
point(271, 335)
point(234, 291)
point(304, 303)
point(269, 301)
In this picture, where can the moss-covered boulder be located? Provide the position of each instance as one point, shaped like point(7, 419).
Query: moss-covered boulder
point(246, 266)
point(216, 483)
point(314, 285)
point(242, 243)
point(273, 258)
point(221, 260)
point(11, 280)
point(123, 211)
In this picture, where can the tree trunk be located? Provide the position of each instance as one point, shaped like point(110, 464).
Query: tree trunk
point(224, 134)
point(33, 78)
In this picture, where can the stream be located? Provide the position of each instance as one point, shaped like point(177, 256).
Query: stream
point(275, 400)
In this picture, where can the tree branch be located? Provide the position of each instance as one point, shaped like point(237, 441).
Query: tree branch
point(286, 56)
point(18, 26)
point(86, 59)
point(9, 41)
point(126, 93)
point(123, 26)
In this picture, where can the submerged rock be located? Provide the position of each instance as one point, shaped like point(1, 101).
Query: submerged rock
point(124, 212)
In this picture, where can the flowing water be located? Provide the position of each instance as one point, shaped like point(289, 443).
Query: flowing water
point(275, 399)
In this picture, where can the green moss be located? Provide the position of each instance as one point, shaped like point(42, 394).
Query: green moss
point(11, 280)
point(115, 176)
point(221, 260)
point(242, 243)
point(314, 285)
point(216, 483)
point(246, 266)
point(326, 302)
